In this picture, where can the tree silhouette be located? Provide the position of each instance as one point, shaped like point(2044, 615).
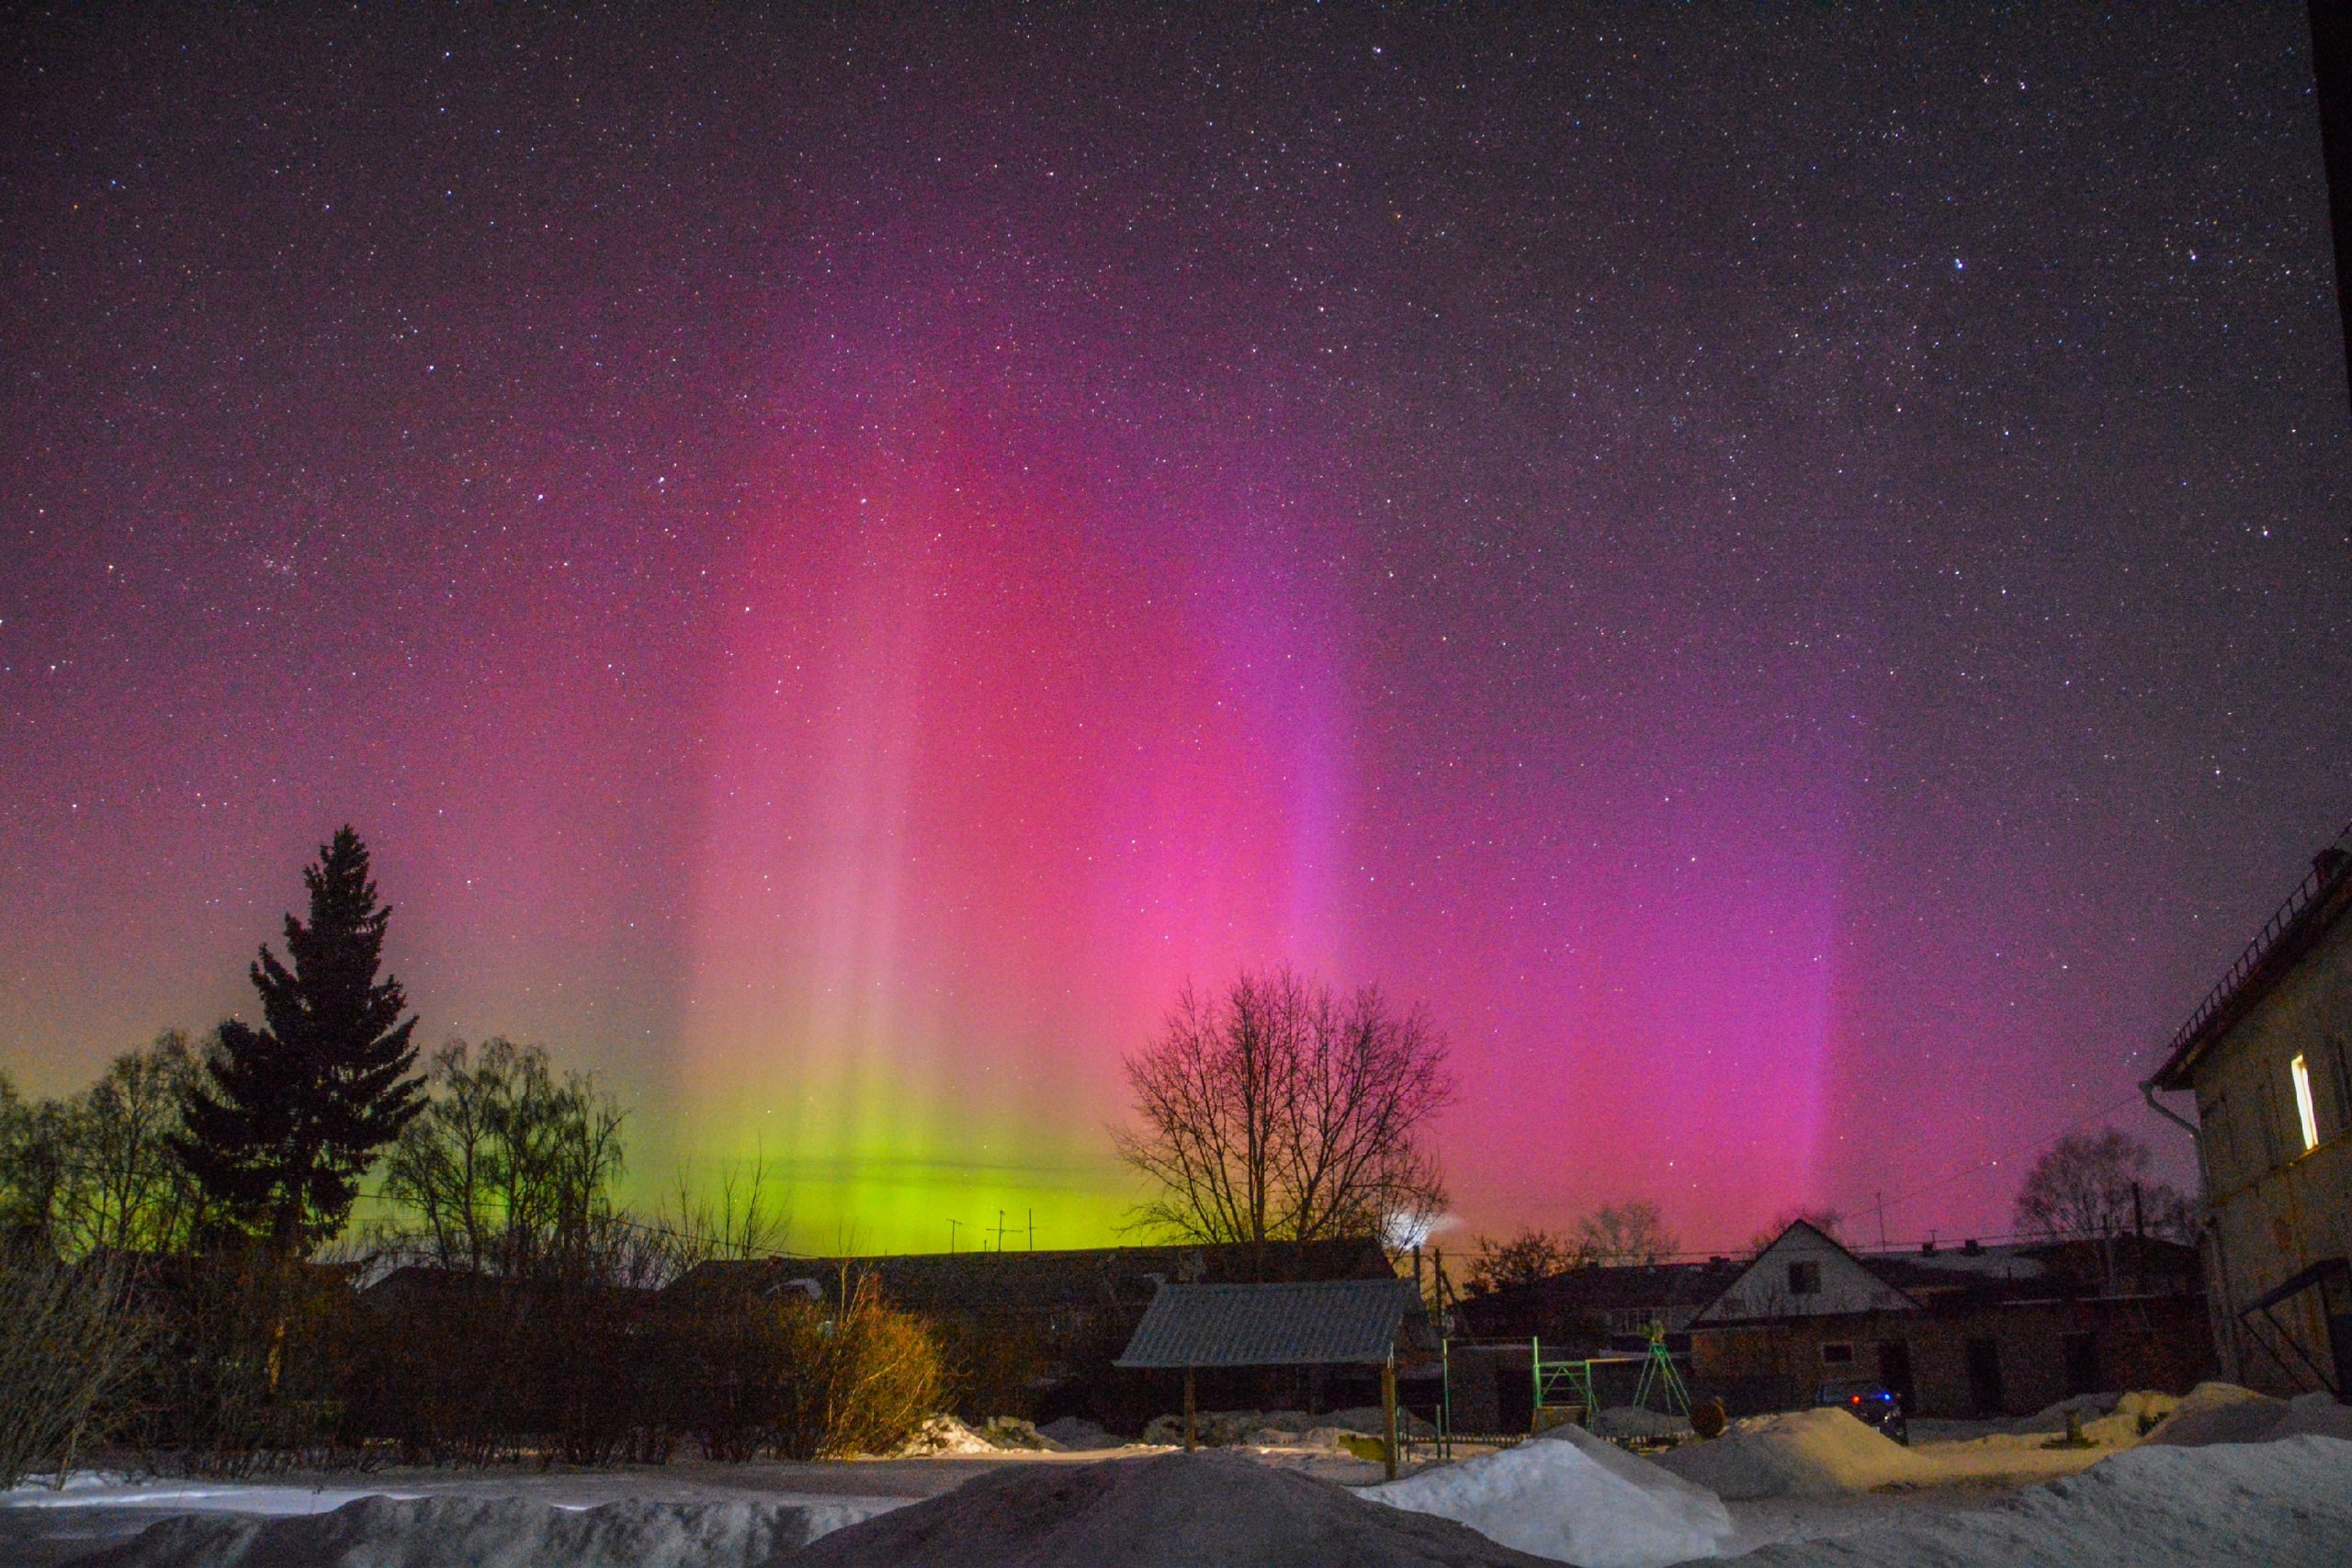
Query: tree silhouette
point(285, 1118)
point(1283, 1112)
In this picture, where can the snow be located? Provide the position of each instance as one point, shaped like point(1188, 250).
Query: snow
point(508, 1533)
point(1172, 1510)
point(2278, 1505)
point(946, 1434)
point(1078, 1435)
point(1633, 1421)
point(1572, 1497)
point(1809, 1453)
point(2224, 1413)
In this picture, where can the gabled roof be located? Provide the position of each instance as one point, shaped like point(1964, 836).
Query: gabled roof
point(2311, 910)
point(1763, 1290)
point(1552, 1306)
point(1271, 1325)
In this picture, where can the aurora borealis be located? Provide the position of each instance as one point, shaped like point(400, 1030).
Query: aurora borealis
point(1784, 571)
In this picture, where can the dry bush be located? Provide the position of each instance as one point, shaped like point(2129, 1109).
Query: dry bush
point(72, 1343)
point(251, 1354)
point(790, 1377)
point(470, 1369)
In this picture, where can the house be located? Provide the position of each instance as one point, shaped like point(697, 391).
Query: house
point(1968, 1332)
point(2267, 1054)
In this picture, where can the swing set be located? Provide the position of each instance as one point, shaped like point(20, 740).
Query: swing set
point(1564, 1386)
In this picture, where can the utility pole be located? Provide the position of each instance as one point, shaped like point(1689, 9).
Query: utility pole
point(1881, 1197)
point(951, 1236)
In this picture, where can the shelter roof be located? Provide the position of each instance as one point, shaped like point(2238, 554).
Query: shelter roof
point(1271, 1325)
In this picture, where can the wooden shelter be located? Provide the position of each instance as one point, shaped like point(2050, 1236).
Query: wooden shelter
point(1355, 1322)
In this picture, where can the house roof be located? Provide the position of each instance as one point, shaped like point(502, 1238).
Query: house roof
point(1019, 1283)
point(2310, 911)
point(1542, 1305)
point(1271, 1325)
point(1967, 1277)
point(1845, 1285)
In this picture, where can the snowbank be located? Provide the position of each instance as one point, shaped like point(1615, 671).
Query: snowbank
point(1573, 1498)
point(1174, 1510)
point(1079, 1435)
point(946, 1435)
point(1807, 1453)
point(2280, 1504)
point(511, 1532)
point(2224, 1413)
point(1632, 1421)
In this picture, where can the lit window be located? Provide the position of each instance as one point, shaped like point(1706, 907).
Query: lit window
point(2303, 1111)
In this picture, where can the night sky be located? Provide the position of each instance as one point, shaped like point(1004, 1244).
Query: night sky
point(1784, 570)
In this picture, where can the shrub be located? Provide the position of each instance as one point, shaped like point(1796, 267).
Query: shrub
point(788, 1376)
point(252, 1349)
point(71, 1342)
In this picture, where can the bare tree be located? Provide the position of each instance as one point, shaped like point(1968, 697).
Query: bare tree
point(1280, 1111)
point(507, 1169)
point(2095, 1187)
point(96, 1172)
point(1529, 1256)
point(1632, 1231)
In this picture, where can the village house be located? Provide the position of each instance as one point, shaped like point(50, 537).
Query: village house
point(1961, 1332)
point(2269, 1056)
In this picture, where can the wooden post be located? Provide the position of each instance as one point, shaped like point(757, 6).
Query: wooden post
point(1389, 1407)
point(1189, 1442)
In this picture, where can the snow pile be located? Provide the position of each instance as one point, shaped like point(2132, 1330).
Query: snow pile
point(1372, 1422)
point(2224, 1413)
point(1078, 1434)
point(1012, 1432)
point(2282, 1504)
point(1230, 1429)
point(1807, 1453)
point(1634, 1421)
point(1170, 1511)
point(1572, 1497)
point(944, 1435)
point(509, 1532)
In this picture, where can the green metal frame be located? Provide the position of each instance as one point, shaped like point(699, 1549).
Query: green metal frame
point(1659, 1373)
point(1551, 1377)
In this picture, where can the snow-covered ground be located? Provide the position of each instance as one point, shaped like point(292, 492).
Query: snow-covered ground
point(1817, 1488)
point(42, 1524)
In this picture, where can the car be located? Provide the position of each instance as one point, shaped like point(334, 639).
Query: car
point(1873, 1405)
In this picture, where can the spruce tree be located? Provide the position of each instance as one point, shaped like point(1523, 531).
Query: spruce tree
point(286, 1117)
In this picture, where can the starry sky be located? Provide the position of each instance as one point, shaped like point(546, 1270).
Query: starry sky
point(1784, 570)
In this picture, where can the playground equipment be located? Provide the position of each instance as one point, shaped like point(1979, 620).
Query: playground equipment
point(1564, 1387)
point(1660, 1374)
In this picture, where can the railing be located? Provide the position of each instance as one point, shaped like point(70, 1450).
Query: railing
point(2326, 866)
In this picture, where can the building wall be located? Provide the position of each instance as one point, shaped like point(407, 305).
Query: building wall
point(2272, 1207)
point(2039, 1351)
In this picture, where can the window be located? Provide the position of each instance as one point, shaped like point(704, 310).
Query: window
point(1804, 1278)
point(1837, 1353)
point(2304, 1112)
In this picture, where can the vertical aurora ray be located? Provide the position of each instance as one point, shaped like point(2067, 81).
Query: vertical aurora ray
point(991, 776)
